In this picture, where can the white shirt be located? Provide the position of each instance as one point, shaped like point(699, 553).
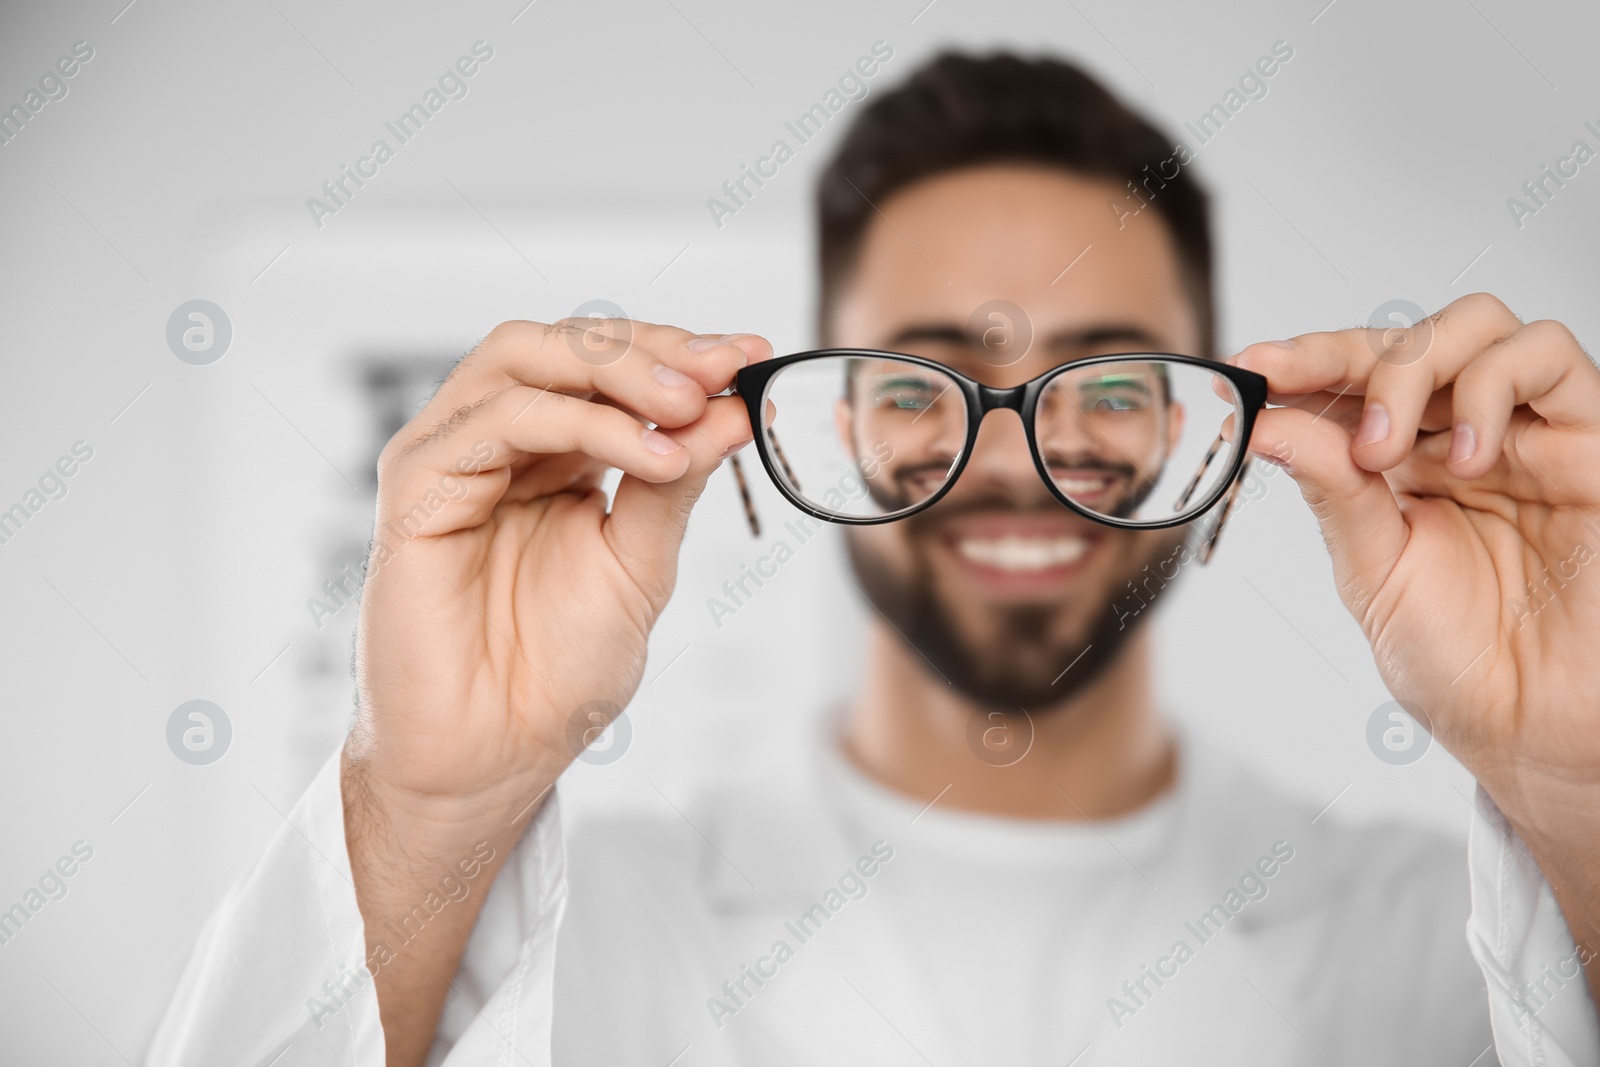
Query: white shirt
point(802, 914)
point(1014, 928)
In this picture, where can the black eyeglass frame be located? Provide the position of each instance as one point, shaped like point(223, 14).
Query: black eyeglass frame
point(751, 383)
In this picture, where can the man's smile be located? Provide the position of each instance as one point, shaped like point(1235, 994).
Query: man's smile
point(1010, 555)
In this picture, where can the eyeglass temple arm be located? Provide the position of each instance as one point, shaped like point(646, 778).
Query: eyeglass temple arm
point(744, 487)
point(744, 495)
point(1194, 483)
point(1210, 545)
point(777, 450)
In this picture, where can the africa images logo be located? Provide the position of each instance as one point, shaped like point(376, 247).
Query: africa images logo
point(851, 86)
point(452, 85)
point(853, 884)
point(1253, 886)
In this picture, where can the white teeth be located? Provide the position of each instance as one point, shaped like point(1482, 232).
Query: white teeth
point(1012, 553)
point(1079, 486)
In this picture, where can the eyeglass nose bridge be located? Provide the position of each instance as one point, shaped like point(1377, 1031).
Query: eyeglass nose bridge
point(990, 398)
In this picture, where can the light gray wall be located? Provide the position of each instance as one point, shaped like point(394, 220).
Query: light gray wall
point(1377, 167)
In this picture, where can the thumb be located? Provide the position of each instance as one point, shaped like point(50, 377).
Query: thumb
point(648, 519)
point(1360, 518)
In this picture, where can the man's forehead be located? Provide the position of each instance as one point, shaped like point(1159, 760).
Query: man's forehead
point(1039, 251)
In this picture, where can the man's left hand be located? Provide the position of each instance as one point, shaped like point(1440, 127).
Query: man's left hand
point(1454, 468)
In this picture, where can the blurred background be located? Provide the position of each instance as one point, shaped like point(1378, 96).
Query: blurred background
point(229, 484)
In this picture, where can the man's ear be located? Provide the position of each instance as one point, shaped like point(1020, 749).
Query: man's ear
point(1177, 418)
point(844, 425)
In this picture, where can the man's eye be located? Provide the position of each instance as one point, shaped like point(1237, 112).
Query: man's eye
point(903, 401)
point(1112, 402)
point(905, 395)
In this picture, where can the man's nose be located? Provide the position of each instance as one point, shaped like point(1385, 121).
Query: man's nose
point(1000, 455)
point(1064, 429)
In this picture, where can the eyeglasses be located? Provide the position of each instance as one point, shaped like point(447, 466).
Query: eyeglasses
point(1132, 440)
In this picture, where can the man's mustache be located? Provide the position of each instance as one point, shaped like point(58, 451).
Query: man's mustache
point(905, 476)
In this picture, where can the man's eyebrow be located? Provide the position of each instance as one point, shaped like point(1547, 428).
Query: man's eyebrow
point(928, 331)
point(1136, 336)
point(1106, 333)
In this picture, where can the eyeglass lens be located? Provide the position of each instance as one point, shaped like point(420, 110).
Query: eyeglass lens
point(1137, 439)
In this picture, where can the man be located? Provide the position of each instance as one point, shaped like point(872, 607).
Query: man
point(1113, 891)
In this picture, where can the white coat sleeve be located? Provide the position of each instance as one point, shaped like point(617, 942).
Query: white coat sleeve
point(1540, 1010)
point(278, 976)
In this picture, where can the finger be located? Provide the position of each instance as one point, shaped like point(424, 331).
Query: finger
point(705, 357)
point(1337, 359)
point(648, 518)
point(753, 345)
point(1398, 401)
point(1541, 365)
point(604, 343)
point(1396, 370)
point(1343, 407)
point(477, 448)
point(1346, 410)
point(662, 372)
point(711, 364)
point(1308, 363)
point(548, 475)
point(1359, 516)
point(1401, 386)
point(1425, 472)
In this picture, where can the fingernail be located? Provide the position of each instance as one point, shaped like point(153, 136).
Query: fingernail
point(669, 378)
point(1282, 344)
point(1374, 425)
point(700, 344)
point(1463, 443)
point(659, 443)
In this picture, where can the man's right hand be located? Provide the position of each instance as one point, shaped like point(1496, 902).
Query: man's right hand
point(502, 598)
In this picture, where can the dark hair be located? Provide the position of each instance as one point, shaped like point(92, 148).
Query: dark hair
point(958, 111)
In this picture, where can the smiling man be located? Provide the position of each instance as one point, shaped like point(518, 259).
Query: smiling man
point(1000, 848)
point(999, 585)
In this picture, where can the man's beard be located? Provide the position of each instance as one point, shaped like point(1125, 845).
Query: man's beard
point(1027, 665)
